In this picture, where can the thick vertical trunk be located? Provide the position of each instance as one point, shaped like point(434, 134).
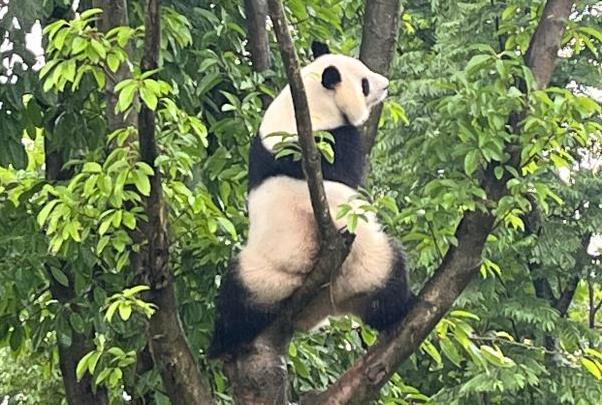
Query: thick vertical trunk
point(379, 39)
point(259, 46)
point(76, 392)
point(171, 353)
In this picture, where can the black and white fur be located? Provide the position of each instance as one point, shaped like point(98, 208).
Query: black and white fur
point(283, 239)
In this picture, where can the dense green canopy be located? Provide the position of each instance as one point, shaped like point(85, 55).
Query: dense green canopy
point(73, 194)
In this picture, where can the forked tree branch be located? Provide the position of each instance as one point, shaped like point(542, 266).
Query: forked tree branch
point(170, 350)
point(461, 263)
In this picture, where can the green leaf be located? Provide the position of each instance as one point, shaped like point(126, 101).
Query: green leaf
point(126, 96)
point(142, 183)
point(129, 220)
point(495, 357)
point(592, 32)
point(471, 161)
point(499, 172)
point(77, 322)
point(592, 367)
point(82, 365)
point(88, 14)
point(115, 376)
point(104, 227)
point(92, 167)
point(113, 62)
point(450, 351)
point(149, 98)
point(477, 62)
point(430, 349)
point(93, 361)
point(111, 310)
point(130, 292)
point(228, 226)
point(103, 375)
point(464, 314)
point(45, 212)
point(125, 310)
point(59, 276)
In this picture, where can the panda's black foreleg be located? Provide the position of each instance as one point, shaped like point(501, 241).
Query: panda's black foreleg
point(238, 319)
point(388, 305)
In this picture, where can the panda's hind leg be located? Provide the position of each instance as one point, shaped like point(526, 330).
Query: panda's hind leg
point(239, 319)
point(387, 305)
point(383, 306)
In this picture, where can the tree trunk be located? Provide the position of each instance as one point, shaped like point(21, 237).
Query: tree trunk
point(256, 12)
point(170, 350)
point(77, 393)
point(379, 39)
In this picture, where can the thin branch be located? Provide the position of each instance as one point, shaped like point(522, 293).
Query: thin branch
point(364, 380)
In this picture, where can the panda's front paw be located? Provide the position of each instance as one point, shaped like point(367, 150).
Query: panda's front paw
point(347, 236)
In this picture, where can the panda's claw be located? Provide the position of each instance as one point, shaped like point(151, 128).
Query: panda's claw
point(347, 236)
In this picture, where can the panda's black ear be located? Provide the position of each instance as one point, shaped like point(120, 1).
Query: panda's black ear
point(319, 49)
point(331, 77)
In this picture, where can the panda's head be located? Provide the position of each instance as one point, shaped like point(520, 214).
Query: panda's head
point(340, 91)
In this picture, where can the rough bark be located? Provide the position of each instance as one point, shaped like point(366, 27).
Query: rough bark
point(542, 53)
point(79, 393)
point(379, 39)
point(364, 380)
point(256, 12)
point(171, 353)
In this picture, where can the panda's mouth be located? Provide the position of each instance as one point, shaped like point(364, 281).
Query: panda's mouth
point(382, 96)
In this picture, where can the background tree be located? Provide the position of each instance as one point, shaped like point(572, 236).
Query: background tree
point(469, 132)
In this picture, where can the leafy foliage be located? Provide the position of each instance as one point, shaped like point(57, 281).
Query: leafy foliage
point(455, 95)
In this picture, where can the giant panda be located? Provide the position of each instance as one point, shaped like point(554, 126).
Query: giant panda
point(283, 239)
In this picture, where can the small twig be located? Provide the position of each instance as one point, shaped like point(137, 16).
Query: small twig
point(439, 252)
point(514, 343)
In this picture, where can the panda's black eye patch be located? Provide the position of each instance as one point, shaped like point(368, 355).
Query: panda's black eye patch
point(365, 87)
